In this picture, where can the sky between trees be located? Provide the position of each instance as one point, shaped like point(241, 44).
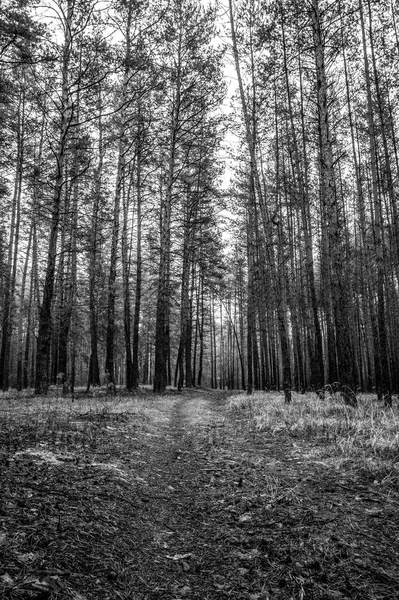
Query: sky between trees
point(199, 194)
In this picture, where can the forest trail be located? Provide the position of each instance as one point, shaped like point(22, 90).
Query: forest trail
point(235, 514)
point(182, 525)
point(179, 497)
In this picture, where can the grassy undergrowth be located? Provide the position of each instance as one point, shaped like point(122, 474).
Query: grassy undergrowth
point(62, 425)
point(367, 436)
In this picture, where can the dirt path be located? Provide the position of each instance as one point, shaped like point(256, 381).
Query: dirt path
point(182, 522)
point(239, 515)
point(178, 497)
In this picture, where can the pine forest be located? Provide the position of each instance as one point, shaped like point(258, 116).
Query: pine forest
point(200, 194)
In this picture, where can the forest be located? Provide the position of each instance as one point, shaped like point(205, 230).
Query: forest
point(199, 194)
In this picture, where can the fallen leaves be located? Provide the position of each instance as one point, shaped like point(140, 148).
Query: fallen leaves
point(245, 518)
point(7, 579)
point(255, 553)
point(180, 556)
point(27, 558)
point(47, 583)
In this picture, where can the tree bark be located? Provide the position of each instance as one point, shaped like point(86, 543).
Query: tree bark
point(380, 341)
point(94, 256)
point(162, 341)
point(336, 298)
point(66, 114)
point(120, 178)
point(11, 268)
point(139, 267)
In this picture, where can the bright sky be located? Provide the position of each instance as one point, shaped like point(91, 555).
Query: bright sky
point(223, 22)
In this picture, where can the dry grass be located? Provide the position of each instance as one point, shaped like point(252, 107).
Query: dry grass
point(368, 435)
point(62, 425)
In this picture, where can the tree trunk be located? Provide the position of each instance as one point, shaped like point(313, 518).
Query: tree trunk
point(266, 257)
point(302, 186)
point(380, 341)
point(11, 269)
point(162, 355)
point(139, 270)
point(66, 114)
point(94, 255)
point(22, 311)
point(126, 267)
point(336, 298)
point(120, 178)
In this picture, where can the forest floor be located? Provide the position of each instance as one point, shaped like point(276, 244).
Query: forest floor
point(187, 496)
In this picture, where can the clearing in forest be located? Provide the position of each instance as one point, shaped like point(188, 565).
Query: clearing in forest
point(207, 495)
